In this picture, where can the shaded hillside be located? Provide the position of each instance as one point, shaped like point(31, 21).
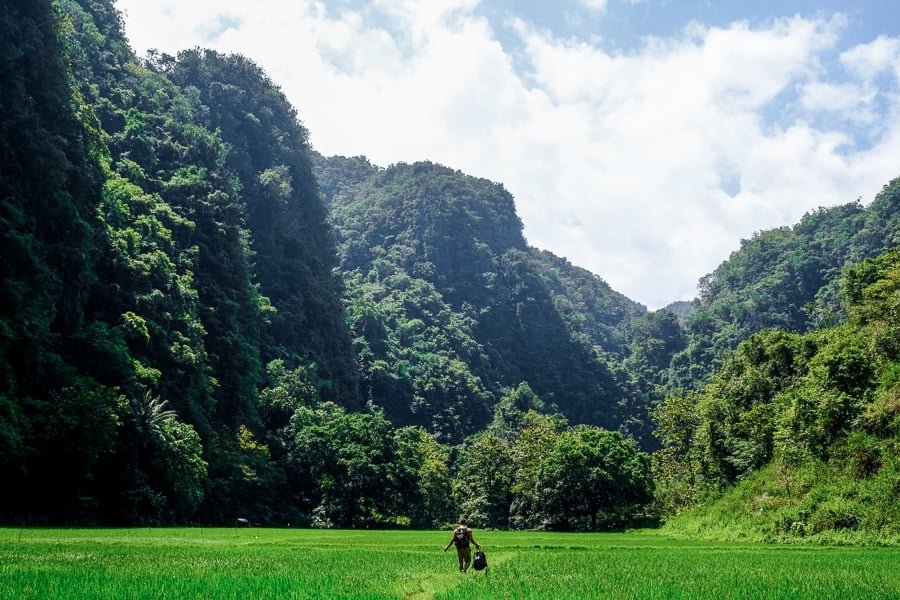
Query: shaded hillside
point(293, 246)
point(505, 314)
point(50, 179)
point(784, 278)
point(592, 310)
point(161, 243)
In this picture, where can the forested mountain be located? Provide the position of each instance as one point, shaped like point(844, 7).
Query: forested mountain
point(785, 278)
point(164, 256)
point(176, 342)
point(449, 306)
point(203, 319)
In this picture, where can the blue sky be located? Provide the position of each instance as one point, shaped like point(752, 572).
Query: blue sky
point(642, 139)
point(623, 24)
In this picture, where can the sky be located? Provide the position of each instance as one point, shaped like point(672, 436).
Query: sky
point(641, 139)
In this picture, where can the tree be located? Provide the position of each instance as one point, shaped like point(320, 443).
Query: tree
point(343, 466)
point(510, 411)
point(538, 433)
point(596, 475)
point(423, 478)
point(287, 390)
point(674, 464)
point(482, 488)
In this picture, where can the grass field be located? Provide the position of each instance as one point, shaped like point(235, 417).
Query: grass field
point(286, 563)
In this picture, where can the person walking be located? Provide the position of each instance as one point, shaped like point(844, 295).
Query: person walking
point(462, 538)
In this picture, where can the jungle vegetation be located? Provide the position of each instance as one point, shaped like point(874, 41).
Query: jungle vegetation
point(203, 319)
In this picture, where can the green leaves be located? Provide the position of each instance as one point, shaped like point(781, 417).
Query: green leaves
point(277, 182)
point(786, 278)
point(410, 343)
point(784, 405)
point(534, 472)
point(348, 469)
point(286, 392)
point(482, 486)
point(596, 475)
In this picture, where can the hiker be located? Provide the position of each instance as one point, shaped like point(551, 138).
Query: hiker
point(462, 537)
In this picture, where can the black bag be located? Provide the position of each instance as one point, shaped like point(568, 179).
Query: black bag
point(480, 562)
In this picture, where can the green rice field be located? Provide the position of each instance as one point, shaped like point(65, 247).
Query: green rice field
point(291, 563)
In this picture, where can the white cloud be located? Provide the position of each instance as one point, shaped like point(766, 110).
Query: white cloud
point(869, 60)
point(842, 98)
point(594, 5)
point(646, 168)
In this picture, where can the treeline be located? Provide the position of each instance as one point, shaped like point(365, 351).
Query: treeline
point(798, 434)
point(528, 469)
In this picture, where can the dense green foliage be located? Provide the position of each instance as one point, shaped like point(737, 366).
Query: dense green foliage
point(175, 342)
point(290, 563)
point(293, 248)
point(530, 470)
point(802, 431)
point(50, 179)
point(448, 306)
point(201, 319)
point(785, 278)
point(131, 393)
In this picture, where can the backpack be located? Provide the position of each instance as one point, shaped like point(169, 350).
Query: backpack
point(461, 537)
point(480, 562)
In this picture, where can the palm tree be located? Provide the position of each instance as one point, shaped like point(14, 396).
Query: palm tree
point(150, 414)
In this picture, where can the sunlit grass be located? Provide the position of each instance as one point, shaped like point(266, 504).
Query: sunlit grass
point(287, 563)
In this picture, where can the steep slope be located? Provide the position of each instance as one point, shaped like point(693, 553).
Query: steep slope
point(784, 278)
point(147, 212)
point(175, 290)
point(798, 434)
point(293, 246)
point(501, 313)
point(57, 413)
point(590, 308)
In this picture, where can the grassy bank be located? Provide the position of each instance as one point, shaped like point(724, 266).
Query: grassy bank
point(817, 504)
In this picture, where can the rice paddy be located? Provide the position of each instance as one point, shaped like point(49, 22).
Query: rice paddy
point(292, 563)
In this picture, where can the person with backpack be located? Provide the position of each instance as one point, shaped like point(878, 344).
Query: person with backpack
point(462, 538)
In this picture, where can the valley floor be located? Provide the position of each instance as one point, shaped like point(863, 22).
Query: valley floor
point(292, 563)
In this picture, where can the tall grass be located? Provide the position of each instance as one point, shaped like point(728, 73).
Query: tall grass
point(266, 563)
point(818, 504)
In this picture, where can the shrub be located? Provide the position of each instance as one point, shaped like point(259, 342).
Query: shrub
point(836, 513)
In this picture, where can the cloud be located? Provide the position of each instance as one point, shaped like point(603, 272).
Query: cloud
point(594, 5)
point(869, 60)
point(841, 98)
point(645, 167)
